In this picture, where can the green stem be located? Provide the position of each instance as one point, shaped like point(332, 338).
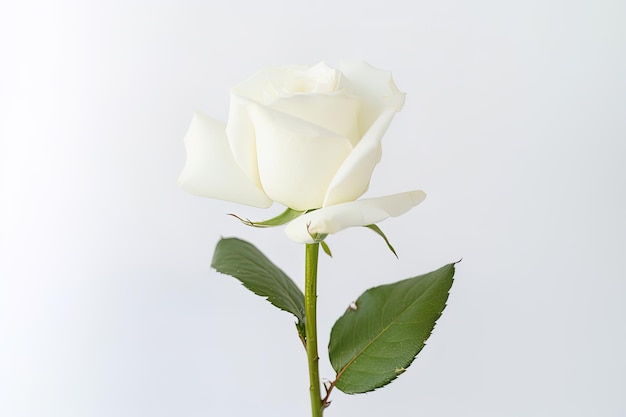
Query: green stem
point(310, 309)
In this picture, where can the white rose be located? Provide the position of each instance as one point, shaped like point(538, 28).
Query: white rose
point(306, 137)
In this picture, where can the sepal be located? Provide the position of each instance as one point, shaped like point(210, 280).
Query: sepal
point(283, 218)
point(380, 233)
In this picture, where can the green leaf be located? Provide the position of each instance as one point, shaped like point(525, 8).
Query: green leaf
point(380, 233)
point(285, 217)
point(380, 334)
point(242, 260)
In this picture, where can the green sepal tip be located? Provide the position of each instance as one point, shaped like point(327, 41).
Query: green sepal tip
point(283, 218)
point(380, 233)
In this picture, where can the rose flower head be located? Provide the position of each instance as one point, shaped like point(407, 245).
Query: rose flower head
point(305, 137)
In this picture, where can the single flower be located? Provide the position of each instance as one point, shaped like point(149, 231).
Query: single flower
point(305, 137)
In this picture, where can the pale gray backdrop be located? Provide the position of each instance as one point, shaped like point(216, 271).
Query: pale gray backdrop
point(514, 125)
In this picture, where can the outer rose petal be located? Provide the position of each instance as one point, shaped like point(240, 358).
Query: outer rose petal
point(211, 171)
point(353, 176)
point(297, 160)
point(332, 219)
point(241, 136)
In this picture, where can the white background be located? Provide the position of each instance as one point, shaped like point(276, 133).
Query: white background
point(514, 125)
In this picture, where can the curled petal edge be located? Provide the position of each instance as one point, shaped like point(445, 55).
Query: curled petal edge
point(353, 176)
point(333, 219)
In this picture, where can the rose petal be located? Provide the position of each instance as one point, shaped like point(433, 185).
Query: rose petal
point(297, 160)
point(332, 219)
point(316, 79)
point(353, 176)
point(211, 171)
point(270, 83)
point(242, 137)
point(307, 93)
point(375, 86)
point(336, 112)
